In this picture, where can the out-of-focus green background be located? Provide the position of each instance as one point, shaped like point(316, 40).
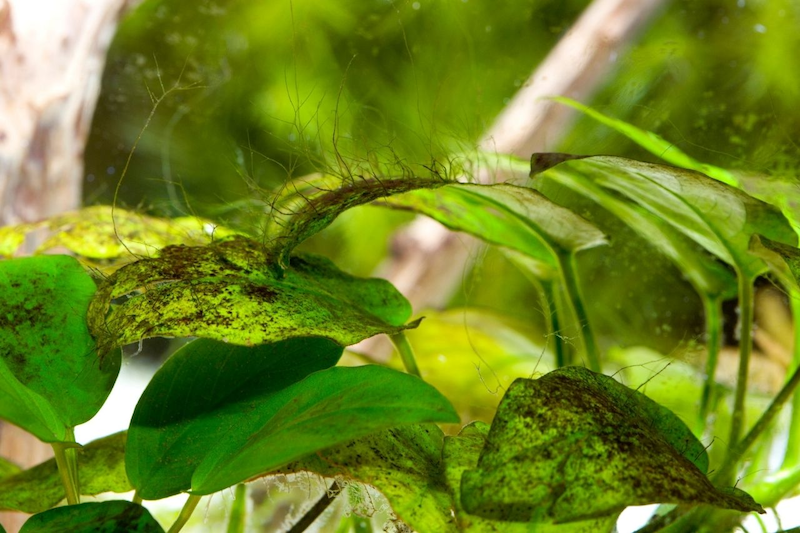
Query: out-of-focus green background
point(259, 91)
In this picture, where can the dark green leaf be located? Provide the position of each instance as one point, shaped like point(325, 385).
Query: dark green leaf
point(101, 469)
point(782, 260)
point(46, 352)
point(574, 445)
point(110, 517)
point(225, 292)
point(327, 408)
point(515, 217)
point(203, 395)
point(718, 217)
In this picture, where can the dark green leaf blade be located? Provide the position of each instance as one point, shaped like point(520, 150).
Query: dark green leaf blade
point(46, 351)
point(326, 408)
point(574, 445)
point(226, 292)
point(206, 392)
point(101, 469)
point(92, 517)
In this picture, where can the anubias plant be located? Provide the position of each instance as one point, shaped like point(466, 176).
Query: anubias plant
point(258, 391)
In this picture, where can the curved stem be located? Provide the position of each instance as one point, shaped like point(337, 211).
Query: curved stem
point(317, 509)
point(550, 308)
point(400, 342)
point(569, 276)
point(238, 519)
point(186, 513)
point(745, 346)
point(713, 311)
point(67, 468)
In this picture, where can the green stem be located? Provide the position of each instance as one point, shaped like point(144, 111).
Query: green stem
point(569, 276)
point(68, 476)
point(713, 312)
point(71, 455)
point(745, 346)
point(792, 455)
point(137, 498)
point(238, 519)
point(550, 308)
point(735, 453)
point(186, 513)
point(400, 342)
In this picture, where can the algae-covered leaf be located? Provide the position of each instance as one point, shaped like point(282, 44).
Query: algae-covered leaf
point(204, 394)
point(327, 408)
point(403, 463)
point(93, 517)
point(460, 453)
point(574, 445)
point(103, 233)
point(102, 469)
point(312, 205)
point(225, 291)
point(46, 351)
point(515, 217)
point(718, 217)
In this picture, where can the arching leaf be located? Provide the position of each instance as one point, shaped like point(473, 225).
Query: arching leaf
point(574, 445)
point(226, 292)
point(93, 517)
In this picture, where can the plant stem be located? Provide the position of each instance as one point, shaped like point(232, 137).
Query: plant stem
point(71, 454)
point(186, 513)
point(736, 452)
point(317, 509)
point(569, 276)
point(745, 346)
point(68, 477)
point(137, 498)
point(550, 308)
point(713, 311)
point(238, 518)
point(400, 342)
point(792, 455)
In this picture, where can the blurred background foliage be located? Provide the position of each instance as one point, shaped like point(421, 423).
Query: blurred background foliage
point(253, 92)
point(259, 91)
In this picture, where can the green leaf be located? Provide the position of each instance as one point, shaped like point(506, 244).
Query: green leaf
point(706, 274)
point(204, 394)
point(327, 408)
point(574, 445)
point(507, 215)
point(782, 260)
point(93, 517)
point(654, 143)
point(102, 233)
point(8, 468)
point(226, 292)
point(403, 463)
point(46, 351)
point(718, 217)
point(461, 453)
point(101, 469)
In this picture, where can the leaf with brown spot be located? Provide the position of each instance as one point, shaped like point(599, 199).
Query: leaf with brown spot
point(575, 445)
point(226, 291)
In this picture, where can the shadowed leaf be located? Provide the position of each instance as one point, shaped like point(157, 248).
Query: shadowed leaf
point(574, 445)
point(94, 517)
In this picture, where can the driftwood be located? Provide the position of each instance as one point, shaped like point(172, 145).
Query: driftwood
point(52, 54)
